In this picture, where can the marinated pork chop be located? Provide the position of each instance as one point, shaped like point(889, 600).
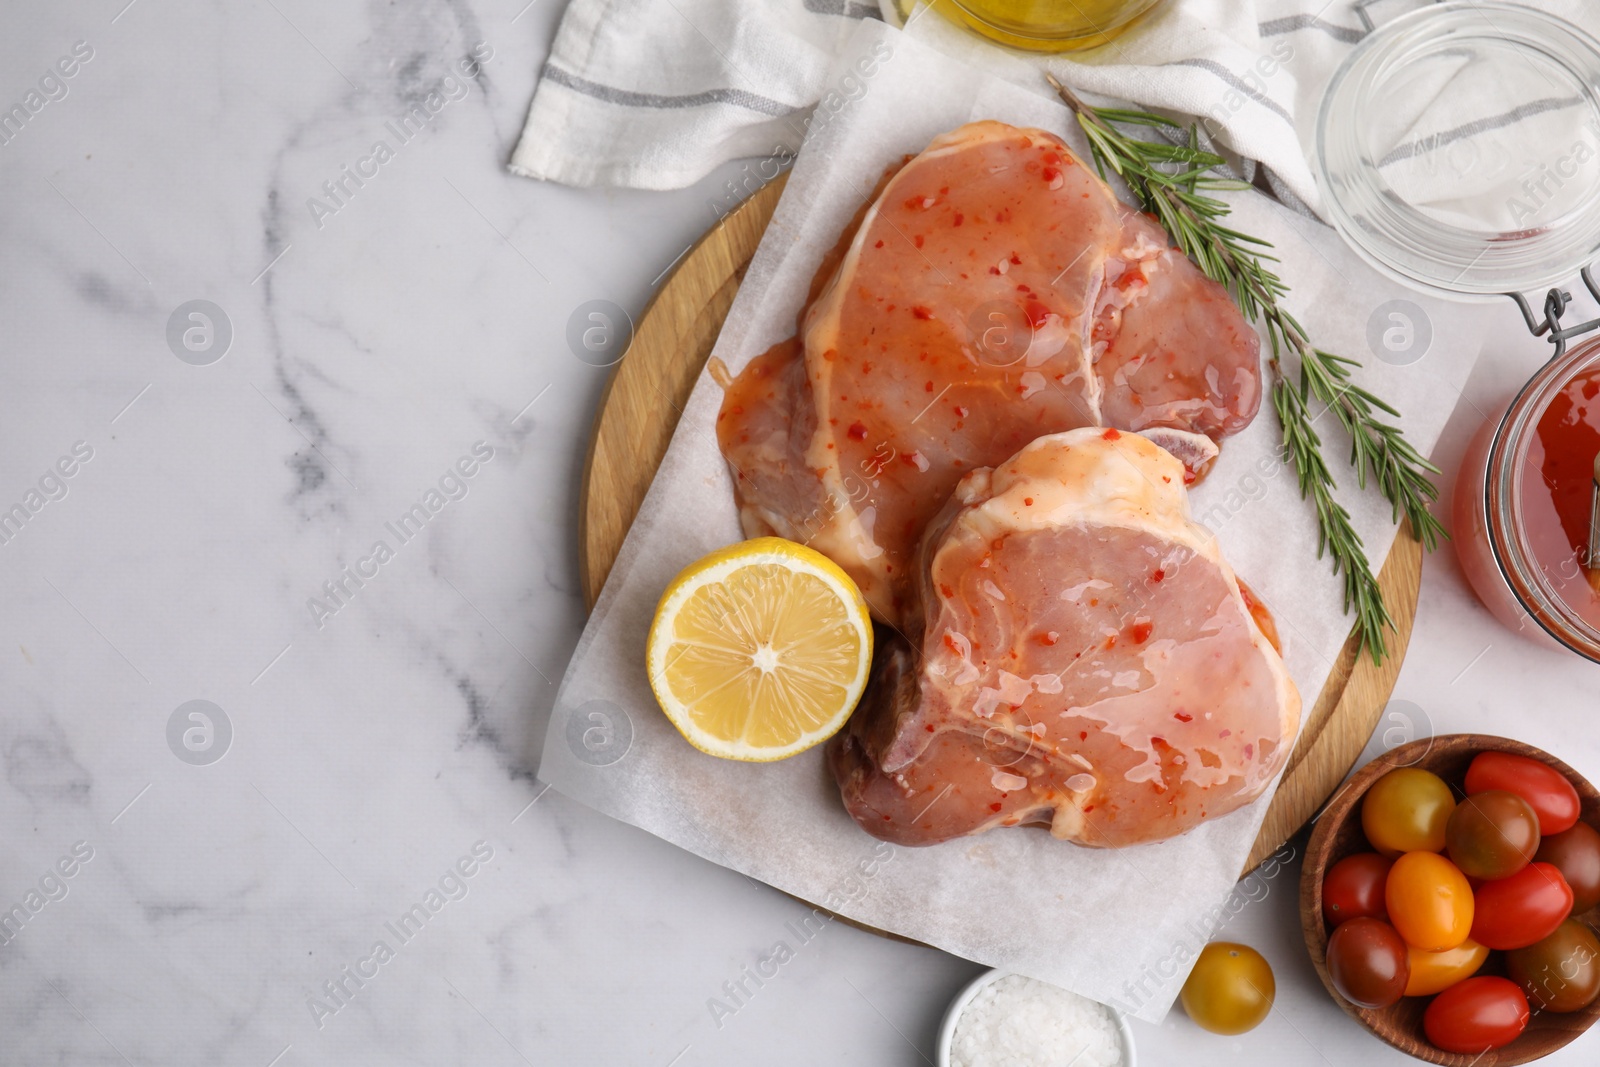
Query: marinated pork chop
point(994, 291)
point(1080, 656)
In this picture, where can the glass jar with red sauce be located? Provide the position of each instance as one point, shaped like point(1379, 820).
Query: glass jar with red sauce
point(1525, 506)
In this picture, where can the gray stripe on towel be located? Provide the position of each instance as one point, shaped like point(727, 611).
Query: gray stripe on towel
point(848, 8)
point(1286, 195)
point(1470, 129)
point(1233, 80)
point(629, 98)
point(1290, 23)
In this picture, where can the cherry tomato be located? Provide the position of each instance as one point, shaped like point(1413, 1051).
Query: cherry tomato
point(1560, 973)
point(1541, 785)
point(1476, 1015)
point(1353, 888)
point(1429, 901)
point(1433, 972)
point(1576, 854)
point(1230, 989)
point(1492, 834)
point(1517, 911)
point(1406, 811)
point(1367, 963)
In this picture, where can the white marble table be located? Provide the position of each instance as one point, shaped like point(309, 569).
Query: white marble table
point(378, 744)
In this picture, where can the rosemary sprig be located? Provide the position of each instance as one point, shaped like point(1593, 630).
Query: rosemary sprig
point(1172, 182)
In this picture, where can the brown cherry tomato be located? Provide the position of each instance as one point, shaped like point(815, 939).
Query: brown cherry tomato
point(1353, 888)
point(1492, 835)
point(1560, 973)
point(1367, 963)
point(1476, 1015)
point(1575, 852)
point(1429, 901)
point(1406, 811)
point(1541, 785)
point(1515, 912)
point(1433, 972)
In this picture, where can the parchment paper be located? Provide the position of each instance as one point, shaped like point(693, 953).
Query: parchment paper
point(1120, 926)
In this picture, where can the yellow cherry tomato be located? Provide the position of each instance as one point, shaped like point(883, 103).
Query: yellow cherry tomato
point(1434, 972)
point(1406, 811)
point(1230, 989)
point(1429, 901)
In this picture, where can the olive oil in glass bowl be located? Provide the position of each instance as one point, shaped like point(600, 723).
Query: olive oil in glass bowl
point(1044, 25)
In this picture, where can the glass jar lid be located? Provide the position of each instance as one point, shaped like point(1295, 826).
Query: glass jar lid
point(1458, 148)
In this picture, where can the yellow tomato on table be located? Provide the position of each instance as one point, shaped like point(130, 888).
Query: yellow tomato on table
point(1230, 989)
point(1434, 972)
point(1429, 901)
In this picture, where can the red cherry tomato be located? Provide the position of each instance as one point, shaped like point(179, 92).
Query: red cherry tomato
point(1553, 798)
point(1353, 888)
point(1515, 912)
point(1576, 853)
point(1368, 963)
point(1476, 1015)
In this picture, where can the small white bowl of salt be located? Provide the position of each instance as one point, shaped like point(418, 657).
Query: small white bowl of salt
point(1007, 1020)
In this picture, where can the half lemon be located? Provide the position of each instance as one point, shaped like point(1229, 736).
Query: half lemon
point(760, 650)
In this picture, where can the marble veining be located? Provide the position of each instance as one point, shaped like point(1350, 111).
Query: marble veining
point(227, 908)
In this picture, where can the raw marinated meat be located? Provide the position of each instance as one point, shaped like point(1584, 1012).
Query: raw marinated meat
point(1079, 655)
point(993, 292)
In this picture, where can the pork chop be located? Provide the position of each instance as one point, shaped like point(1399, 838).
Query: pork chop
point(1080, 656)
point(993, 292)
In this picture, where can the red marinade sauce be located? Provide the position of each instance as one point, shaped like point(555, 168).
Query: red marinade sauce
point(1263, 618)
point(1558, 492)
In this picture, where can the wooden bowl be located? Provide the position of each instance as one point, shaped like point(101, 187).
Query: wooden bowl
point(1338, 834)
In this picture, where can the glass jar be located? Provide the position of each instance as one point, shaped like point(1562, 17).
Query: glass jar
point(1458, 148)
point(1524, 506)
point(1458, 152)
point(1047, 25)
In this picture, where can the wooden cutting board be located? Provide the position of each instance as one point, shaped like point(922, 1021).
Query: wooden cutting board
point(651, 384)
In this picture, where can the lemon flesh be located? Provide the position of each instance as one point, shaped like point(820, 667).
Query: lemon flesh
point(760, 650)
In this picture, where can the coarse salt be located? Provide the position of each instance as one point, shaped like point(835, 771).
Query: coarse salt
point(1022, 1022)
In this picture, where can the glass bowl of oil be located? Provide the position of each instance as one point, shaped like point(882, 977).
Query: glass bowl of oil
point(1043, 25)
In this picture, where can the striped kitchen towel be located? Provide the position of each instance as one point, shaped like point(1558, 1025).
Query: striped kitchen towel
point(654, 94)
